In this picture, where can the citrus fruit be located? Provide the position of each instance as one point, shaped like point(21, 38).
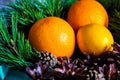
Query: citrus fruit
point(85, 12)
point(52, 34)
point(95, 39)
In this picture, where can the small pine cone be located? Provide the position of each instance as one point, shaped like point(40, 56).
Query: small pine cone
point(48, 59)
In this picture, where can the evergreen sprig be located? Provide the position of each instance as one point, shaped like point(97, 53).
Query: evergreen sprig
point(29, 11)
point(114, 25)
point(113, 10)
point(110, 5)
point(57, 8)
point(15, 50)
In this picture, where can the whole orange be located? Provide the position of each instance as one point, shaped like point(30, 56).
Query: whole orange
point(95, 39)
point(85, 12)
point(54, 35)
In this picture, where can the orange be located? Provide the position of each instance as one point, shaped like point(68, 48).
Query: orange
point(95, 39)
point(54, 35)
point(85, 12)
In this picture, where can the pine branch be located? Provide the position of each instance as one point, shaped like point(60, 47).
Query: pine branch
point(14, 48)
point(110, 5)
point(114, 25)
point(52, 7)
point(30, 11)
point(113, 10)
point(4, 30)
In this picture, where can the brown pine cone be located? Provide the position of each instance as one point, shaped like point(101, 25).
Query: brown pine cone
point(48, 59)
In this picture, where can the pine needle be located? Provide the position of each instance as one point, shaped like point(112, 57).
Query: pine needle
point(114, 25)
point(15, 50)
point(110, 5)
point(29, 11)
point(4, 30)
point(113, 10)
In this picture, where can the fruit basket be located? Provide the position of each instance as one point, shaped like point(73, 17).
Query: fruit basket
point(60, 40)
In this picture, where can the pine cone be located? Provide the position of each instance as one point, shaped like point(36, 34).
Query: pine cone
point(88, 68)
point(48, 59)
point(68, 68)
point(39, 72)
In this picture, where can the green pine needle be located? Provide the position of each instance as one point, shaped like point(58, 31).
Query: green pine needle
point(113, 10)
point(14, 48)
point(114, 25)
point(110, 5)
point(4, 30)
point(29, 11)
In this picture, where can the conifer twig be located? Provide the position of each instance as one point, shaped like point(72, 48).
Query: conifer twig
point(114, 25)
point(15, 49)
